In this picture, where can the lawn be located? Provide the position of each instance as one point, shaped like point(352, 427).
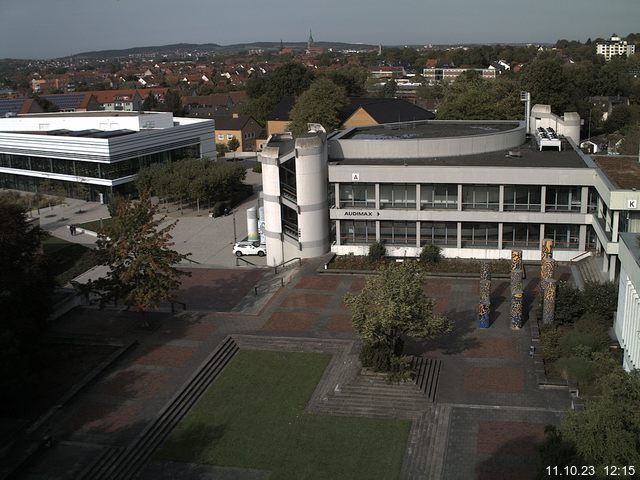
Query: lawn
point(253, 417)
point(68, 260)
point(95, 225)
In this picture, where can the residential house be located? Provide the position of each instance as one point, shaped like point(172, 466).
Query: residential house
point(241, 127)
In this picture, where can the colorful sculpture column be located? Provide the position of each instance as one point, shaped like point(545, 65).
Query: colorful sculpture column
point(549, 301)
point(484, 307)
point(516, 260)
point(516, 310)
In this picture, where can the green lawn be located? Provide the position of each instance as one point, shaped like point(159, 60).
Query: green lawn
point(95, 225)
point(253, 417)
point(68, 260)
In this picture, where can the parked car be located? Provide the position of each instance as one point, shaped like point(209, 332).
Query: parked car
point(249, 248)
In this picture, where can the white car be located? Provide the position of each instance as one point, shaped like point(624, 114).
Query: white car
point(249, 248)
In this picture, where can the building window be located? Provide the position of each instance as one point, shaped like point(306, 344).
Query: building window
point(229, 136)
point(522, 197)
point(398, 233)
point(520, 235)
point(289, 222)
point(438, 233)
point(480, 235)
point(357, 232)
point(441, 196)
point(480, 197)
point(220, 136)
point(357, 195)
point(592, 201)
point(397, 195)
point(564, 236)
point(563, 199)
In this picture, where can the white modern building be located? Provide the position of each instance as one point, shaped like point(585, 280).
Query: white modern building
point(475, 188)
point(448, 74)
point(615, 47)
point(102, 150)
point(627, 321)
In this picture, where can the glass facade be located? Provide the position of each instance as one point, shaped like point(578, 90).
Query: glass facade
point(522, 197)
point(564, 236)
point(480, 197)
point(357, 232)
point(520, 235)
point(357, 195)
point(398, 233)
point(563, 199)
point(288, 179)
point(397, 195)
point(439, 196)
point(480, 235)
point(439, 233)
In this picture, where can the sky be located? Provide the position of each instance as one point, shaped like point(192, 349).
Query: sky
point(37, 29)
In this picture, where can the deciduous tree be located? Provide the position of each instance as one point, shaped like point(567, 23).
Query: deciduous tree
point(139, 254)
point(392, 305)
point(322, 104)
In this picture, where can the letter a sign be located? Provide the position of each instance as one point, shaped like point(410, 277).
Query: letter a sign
point(355, 177)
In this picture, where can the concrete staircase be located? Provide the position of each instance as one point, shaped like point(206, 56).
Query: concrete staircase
point(427, 444)
point(369, 395)
point(124, 463)
point(589, 269)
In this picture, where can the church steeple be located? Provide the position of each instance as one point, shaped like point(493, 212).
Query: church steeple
point(310, 41)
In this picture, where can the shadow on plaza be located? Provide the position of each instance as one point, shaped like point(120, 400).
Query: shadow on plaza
point(516, 459)
point(116, 405)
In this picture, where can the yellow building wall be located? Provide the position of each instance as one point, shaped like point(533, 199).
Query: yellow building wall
point(225, 140)
point(277, 126)
point(359, 118)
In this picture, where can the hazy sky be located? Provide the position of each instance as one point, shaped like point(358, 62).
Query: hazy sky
point(54, 28)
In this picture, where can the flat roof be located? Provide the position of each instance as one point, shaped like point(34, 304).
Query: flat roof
point(622, 171)
point(90, 133)
point(527, 155)
point(96, 113)
point(428, 129)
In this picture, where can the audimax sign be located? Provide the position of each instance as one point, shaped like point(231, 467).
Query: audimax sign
point(360, 213)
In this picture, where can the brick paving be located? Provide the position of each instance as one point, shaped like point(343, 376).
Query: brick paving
point(487, 380)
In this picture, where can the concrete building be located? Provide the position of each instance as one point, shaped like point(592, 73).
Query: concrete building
point(614, 47)
point(101, 150)
point(475, 188)
point(447, 74)
point(627, 321)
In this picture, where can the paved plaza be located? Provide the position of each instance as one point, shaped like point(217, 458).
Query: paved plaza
point(495, 412)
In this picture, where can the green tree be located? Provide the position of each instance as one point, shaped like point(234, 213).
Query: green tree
point(322, 104)
point(352, 78)
point(150, 103)
point(546, 80)
point(392, 305)
point(265, 91)
point(26, 287)
point(173, 103)
point(606, 433)
point(138, 252)
point(233, 144)
point(389, 89)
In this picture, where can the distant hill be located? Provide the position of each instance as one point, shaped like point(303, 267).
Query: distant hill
point(212, 48)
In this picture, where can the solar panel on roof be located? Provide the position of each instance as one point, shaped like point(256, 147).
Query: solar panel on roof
point(10, 105)
point(65, 102)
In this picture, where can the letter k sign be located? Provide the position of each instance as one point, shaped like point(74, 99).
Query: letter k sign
point(632, 204)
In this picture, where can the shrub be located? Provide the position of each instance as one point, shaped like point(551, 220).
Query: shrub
point(257, 167)
point(600, 299)
point(549, 343)
point(569, 304)
point(431, 254)
point(586, 336)
point(400, 369)
point(218, 209)
point(377, 251)
point(577, 369)
point(376, 357)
